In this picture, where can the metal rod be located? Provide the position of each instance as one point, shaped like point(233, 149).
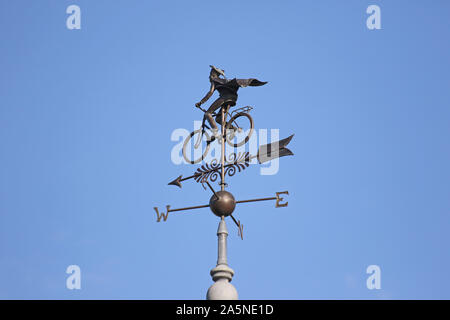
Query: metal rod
point(222, 184)
point(234, 220)
point(212, 189)
point(190, 177)
point(189, 208)
point(254, 200)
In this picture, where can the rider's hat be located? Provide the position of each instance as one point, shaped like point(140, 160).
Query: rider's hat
point(219, 71)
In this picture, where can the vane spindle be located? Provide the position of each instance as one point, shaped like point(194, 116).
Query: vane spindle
point(222, 160)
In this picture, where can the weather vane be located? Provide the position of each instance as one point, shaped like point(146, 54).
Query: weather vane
point(236, 129)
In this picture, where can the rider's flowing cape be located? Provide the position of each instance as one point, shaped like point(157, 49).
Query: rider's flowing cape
point(249, 82)
point(237, 83)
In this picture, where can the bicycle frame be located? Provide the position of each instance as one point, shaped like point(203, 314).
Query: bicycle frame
point(205, 126)
point(246, 109)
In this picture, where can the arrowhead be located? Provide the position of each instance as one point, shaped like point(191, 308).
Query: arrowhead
point(176, 182)
point(274, 150)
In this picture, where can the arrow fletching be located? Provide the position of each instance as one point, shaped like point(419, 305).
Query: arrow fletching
point(274, 150)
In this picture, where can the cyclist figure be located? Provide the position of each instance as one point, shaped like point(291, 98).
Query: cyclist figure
point(227, 94)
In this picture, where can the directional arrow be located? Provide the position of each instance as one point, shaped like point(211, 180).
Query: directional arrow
point(240, 162)
point(265, 153)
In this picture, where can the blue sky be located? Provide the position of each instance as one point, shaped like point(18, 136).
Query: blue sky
point(86, 118)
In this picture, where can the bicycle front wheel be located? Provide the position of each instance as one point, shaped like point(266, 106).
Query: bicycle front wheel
point(196, 146)
point(239, 129)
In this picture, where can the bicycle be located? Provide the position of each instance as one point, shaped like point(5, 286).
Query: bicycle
point(239, 120)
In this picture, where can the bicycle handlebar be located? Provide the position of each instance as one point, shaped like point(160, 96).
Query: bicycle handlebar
point(201, 109)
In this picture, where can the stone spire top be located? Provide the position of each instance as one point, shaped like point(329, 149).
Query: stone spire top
point(222, 274)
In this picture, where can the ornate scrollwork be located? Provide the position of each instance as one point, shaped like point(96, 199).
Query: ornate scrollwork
point(208, 171)
point(235, 163)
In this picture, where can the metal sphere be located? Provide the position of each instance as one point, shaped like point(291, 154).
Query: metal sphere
point(223, 204)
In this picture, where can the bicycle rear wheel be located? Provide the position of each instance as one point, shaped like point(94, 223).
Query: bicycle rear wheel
point(193, 146)
point(239, 129)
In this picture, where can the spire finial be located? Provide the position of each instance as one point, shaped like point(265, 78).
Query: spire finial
point(222, 274)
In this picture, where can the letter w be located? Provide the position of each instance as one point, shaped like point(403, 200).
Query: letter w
point(162, 215)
